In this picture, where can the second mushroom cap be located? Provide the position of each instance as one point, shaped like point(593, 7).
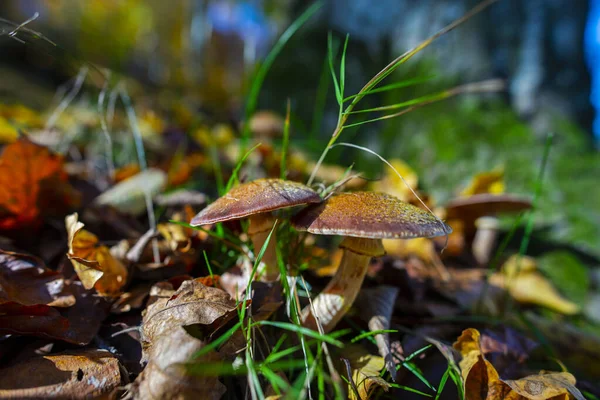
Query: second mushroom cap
point(369, 215)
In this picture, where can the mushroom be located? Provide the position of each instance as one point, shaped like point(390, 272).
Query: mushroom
point(363, 218)
point(477, 214)
point(255, 200)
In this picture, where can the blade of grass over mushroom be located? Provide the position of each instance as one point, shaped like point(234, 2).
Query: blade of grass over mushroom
point(493, 85)
point(392, 86)
point(286, 142)
point(260, 75)
point(234, 174)
point(386, 162)
point(385, 72)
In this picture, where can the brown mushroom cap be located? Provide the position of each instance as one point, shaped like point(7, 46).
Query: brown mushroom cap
point(369, 215)
point(480, 205)
point(259, 196)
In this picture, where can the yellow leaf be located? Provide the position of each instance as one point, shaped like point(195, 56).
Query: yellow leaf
point(95, 266)
point(8, 133)
point(486, 182)
point(526, 285)
point(365, 371)
point(481, 380)
point(545, 386)
point(392, 184)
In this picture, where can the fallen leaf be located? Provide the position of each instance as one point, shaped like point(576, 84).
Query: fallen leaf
point(129, 196)
point(95, 266)
point(25, 279)
point(545, 386)
point(481, 380)
point(486, 182)
point(365, 372)
point(31, 175)
point(77, 324)
point(168, 347)
point(521, 279)
point(71, 374)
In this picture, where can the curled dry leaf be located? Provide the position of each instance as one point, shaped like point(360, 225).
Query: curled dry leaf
point(376, 307)
point(365, 372)
point(34, 184)
point(95, 265)
point(520, 278)
point(168, 346)
point(481, 380)
point(25, 279)
point(68, 375)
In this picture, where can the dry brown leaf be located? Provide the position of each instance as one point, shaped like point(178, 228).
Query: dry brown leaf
point(34, 184)
point(482, 382)
point(168, 346)
point(520, 278)
point(68, 375)
point(95, 266)
point(365, 371)
point(25, 279)
point(77, 324)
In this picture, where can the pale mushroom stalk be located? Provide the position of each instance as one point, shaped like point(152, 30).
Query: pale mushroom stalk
point(485, 239)
point(339, 295)
point(259, 229)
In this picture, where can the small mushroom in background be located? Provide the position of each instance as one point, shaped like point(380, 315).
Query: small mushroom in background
point(266, 124)
point(255, 200)
point(482, 233)
point(363, 218)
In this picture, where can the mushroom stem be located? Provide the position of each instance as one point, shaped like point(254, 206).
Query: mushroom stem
point(337, 298)
point(259, 229)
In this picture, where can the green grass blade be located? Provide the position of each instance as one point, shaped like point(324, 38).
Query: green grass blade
point(409, 389)
point(412, 367)
point(398, 85)
point(372, 333)
point(259, 78)
point(207, 264)
point(217, 342)
point(338, 94)
point(343, 68)
point(443, 383)
point(301, 330)
point(234, 174)
point(286, 142)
